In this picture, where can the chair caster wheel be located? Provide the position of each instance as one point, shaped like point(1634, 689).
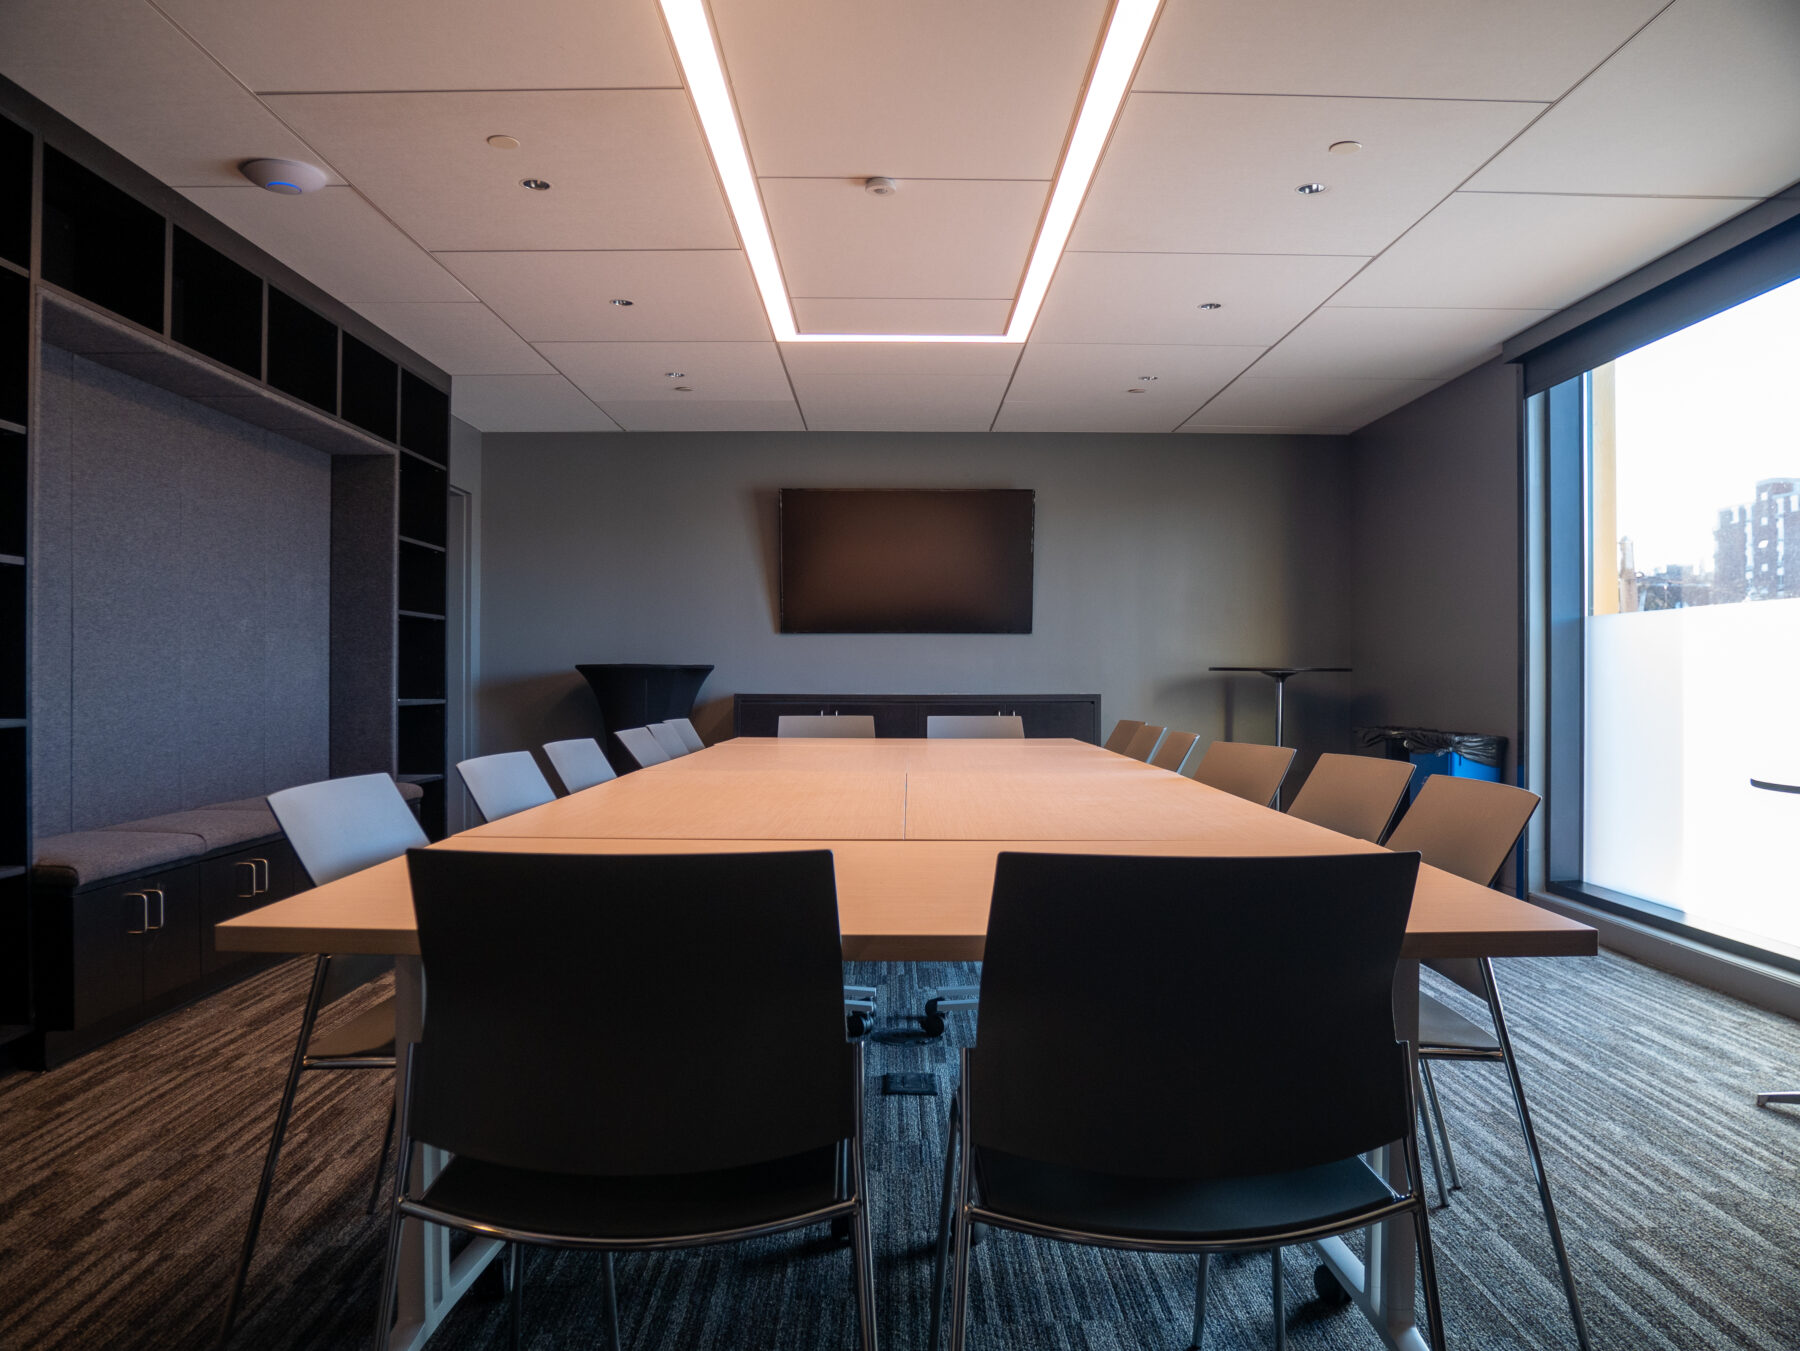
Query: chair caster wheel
point(858, 1024)
point(840, 1229)
point(932, 1023)
point(1326, 1286)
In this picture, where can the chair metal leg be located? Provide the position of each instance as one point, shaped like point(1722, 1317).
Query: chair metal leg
point(515, 1275)
point(1764, 1099)
point(1278, 1300)
point(390, 1270)
point(862, 1254)
point(960, 1244)
point(387, 1143)
point(1205, 1266)
point(308, 1016)
point(1437, 1111)
point(1434, 1313)
point(944, 1221)
point(613, 1340)
point(1537, 1159)
point(1437, 1168)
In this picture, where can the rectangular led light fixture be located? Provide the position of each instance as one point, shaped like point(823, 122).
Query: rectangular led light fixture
point(696, 48)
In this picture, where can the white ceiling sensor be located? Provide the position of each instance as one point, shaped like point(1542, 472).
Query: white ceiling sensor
point(289, 177)
point(880, 187)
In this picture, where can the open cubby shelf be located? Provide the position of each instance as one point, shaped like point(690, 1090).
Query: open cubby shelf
point(15, 194)
point(101, 243)
point(15, 348)
point(370, 389)
point(215, 305)
point(303, 352)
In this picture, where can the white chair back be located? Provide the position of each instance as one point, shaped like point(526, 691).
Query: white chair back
point(643, 747)
point(685, 730)
point(669, 739)
point(505, 783)
point(967, 726)
point(815, 725)
point(341, 826)
point(579, 763)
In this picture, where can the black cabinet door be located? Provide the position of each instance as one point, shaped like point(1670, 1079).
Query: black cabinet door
point(236, 884)
point(106, 928)
point(172, 945)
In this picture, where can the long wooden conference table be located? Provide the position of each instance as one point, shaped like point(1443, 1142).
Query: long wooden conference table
point(914, 827)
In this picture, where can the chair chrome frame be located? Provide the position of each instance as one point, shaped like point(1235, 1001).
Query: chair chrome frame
point(853, 1207)
point(1503, 1054)
point(959, 1212)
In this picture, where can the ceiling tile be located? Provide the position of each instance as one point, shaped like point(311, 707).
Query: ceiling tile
point(1525, 49)
point(1705, 101)
point(1324, 405)
point(1155, 297)
point(901, 316)
point(899, 403)
point(627, 168)
point(1513, 251)
point(926, 89)
point(525, 403)
point(1119, 413)
point(1415, 344)
point(1162, 185)
point(124, 73)
point(901, 358)
point(335, 240)
point(433, 44)
point(934, 238)
point(1182, 378)
point(728, 415)
point(677, 296)
point(460, 337)
point(648, 371)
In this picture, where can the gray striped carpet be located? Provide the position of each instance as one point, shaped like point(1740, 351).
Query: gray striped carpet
point(125, 1178)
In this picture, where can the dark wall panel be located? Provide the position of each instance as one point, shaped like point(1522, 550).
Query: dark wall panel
point(198, 553)
point(51, 570)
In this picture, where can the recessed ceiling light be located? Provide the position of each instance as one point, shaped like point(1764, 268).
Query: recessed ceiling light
point(696, 48)
point(535, 184)
point(684, 389)
point(1210, 305)
point(1137, 391)
point(622, 304)
point(504, 142)
point(1310, 189)
point(1344, 147)
point(674, 375)
point(1145, 379)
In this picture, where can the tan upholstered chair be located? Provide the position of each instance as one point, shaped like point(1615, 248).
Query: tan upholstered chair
point(1352, 794)
point(1174, 750)
point(1243, 769)
point(1123, 730)
point(1468, 827)
point(1143, 741)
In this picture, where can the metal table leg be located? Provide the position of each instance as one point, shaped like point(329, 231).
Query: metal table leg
point(1384, 1290)
point(429, 1282)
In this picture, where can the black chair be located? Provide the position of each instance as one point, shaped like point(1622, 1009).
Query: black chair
point(590, 1101)
point(1133, 1086)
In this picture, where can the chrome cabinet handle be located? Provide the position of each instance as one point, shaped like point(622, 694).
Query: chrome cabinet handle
point(251, 865)
point(144, 917)
point(263, 865)
point(162, 907)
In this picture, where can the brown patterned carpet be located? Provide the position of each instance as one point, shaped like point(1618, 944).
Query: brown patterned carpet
point(126, 1176)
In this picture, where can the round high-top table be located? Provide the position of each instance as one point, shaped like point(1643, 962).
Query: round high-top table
point(1790, 1095)
point(1280, 675)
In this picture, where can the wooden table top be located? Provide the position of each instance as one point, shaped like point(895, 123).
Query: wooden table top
point(915, 827)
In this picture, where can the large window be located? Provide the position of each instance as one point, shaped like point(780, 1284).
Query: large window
point(1691, 637)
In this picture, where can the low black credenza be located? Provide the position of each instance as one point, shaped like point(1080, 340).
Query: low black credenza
point(1070, 715)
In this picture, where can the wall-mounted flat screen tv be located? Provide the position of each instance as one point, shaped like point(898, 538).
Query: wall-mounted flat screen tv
point(906, 560)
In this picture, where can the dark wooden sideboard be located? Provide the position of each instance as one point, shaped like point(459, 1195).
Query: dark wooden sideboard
point(1045, 715)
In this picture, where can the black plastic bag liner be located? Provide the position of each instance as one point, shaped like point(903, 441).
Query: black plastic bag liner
point(1483, 750)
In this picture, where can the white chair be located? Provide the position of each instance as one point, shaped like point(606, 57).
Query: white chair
point(643, 747)
point(336, 828)
point(579, 763)
point(817, 725)
point(687, 733)
point(960, 726)
point(505, 783)
point(669, 739)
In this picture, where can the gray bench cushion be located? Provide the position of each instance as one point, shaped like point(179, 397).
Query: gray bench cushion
point(217, 827)
point(89, 857)
point(412, 792)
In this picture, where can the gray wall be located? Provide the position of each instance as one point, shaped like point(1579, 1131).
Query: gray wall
point(1435, 557)
point(181, 591)
point(1156, 557)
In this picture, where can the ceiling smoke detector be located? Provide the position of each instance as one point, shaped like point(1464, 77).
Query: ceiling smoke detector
point(535, 184)
point(1310, 189)
point(880, 187)
point(289, 177)
point(504, 142)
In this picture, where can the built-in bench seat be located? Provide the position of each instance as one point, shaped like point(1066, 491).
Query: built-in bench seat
point(124, 916)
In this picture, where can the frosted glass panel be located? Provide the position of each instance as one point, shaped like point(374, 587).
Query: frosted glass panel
point(1684, 708)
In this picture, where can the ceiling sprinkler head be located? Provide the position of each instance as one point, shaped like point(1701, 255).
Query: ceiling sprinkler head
point(880, 187)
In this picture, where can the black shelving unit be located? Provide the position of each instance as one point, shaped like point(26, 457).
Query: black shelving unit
point(98, 259)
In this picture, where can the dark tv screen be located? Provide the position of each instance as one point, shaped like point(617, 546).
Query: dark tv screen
point(906, 561)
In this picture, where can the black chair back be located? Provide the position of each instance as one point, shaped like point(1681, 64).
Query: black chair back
point(630, 1014)
point(1192, 1017)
